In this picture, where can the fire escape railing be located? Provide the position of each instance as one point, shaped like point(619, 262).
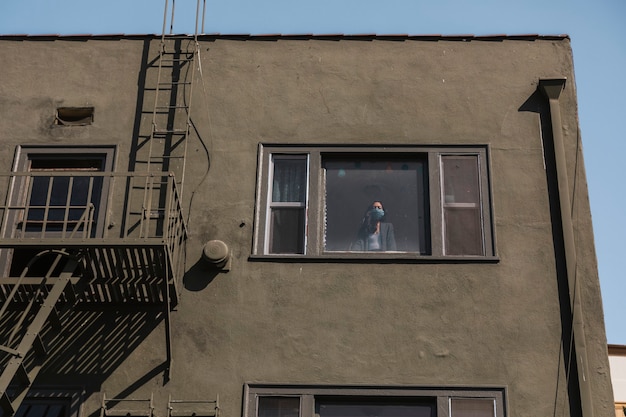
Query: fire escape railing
point(147, 196)
point(126, 231)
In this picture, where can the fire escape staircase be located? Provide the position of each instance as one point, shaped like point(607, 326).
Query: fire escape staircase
point(136, 258)
point(51, 295)
point(135, 262)
point(18, 372)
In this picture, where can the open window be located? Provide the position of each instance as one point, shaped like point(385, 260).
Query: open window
point(328, 401)
point(62, 196)
point(321, 201)
point(55, 193)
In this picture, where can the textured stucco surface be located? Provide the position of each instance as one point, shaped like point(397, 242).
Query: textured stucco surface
point(426, 324)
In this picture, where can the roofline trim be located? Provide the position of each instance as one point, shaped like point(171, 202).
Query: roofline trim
point(367, 37)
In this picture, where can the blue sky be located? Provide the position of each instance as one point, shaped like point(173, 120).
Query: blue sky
point(597, 29)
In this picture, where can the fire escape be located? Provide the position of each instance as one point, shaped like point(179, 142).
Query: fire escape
point(74, 239)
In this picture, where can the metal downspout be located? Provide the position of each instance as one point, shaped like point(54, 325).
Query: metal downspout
point(552, 89)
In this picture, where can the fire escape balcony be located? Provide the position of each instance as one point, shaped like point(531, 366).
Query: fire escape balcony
point(125, 232)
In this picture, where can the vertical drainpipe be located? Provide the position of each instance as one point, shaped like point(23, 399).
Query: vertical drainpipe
point(552, 89)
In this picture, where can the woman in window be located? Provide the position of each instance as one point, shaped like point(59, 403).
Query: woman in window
point(375, 233)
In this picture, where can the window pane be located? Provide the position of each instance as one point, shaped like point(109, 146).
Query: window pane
point(287, 214)
point(460, 179)
point(376, 409)
point(39, 192)
point(472, 407)
point(80, 190)
point(463, 231)
point(287, 230)
point(289, 184)
point(462, 216)
point(279, 407)
point(56, 189)
point(354, 184)
point(60, 188)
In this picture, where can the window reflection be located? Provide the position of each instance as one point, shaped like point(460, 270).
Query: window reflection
point(472, 407)
point(279, 406)
point(463, 229)
point(354, 185)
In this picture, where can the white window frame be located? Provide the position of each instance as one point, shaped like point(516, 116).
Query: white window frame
point(315, 201)
point(297, 205)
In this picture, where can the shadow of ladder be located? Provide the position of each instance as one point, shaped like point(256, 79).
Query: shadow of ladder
point(164, 150)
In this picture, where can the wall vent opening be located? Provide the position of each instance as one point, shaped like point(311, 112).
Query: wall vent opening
point(74, 116)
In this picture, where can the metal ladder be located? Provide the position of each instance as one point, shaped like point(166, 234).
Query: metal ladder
point(161, 150)
point(42, 307)
point(173, 90)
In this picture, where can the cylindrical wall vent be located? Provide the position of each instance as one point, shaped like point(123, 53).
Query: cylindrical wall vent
point(217, 254)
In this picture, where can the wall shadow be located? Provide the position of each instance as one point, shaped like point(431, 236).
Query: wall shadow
point(199, 276)
point(137, 143)
point(89, 345)
point(93, 340)
point(537, 103)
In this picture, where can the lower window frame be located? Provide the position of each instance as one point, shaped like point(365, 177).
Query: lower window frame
point(441, 395)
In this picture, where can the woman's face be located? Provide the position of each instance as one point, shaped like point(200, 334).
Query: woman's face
point(377, 212)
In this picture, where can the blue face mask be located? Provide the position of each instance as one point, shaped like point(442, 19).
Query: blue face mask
point(377, 213)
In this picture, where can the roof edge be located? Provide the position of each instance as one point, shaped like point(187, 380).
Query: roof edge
point(397, 37)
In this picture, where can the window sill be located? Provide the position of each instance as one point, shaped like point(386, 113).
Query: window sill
point(386, 257)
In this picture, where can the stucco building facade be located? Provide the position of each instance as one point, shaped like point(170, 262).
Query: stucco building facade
point(252, 280)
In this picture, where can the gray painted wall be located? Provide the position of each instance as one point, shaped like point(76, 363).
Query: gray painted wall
point(381, 324)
